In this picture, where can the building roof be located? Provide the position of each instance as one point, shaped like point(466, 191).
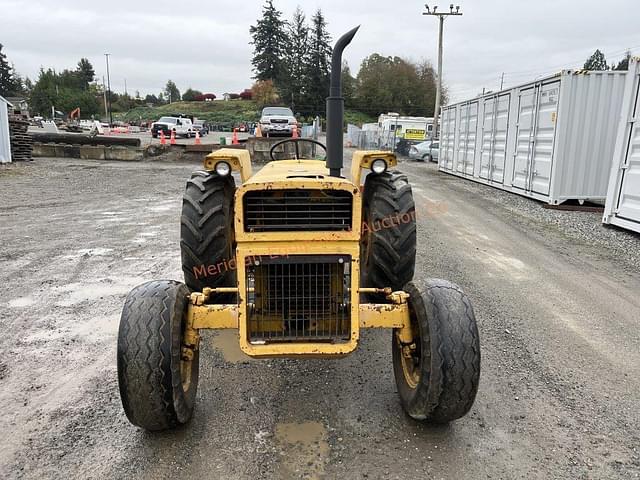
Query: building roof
point(6, 101)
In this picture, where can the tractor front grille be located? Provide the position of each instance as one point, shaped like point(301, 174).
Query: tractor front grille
point(297, 210)
point(299, 298)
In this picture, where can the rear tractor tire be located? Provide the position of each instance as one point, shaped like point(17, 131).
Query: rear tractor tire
point(206, 231)
point(157, 387)
point(437, 375)
point(388, 245)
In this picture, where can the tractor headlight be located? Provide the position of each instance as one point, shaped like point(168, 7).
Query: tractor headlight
point(378, 165)
point(223, 169)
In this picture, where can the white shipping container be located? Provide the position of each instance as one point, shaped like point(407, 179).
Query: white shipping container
point(5, 141)
point(622, 207)
point(551, 139)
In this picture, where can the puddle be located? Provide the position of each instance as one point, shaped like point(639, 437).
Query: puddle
point(21, 302)
point(74, 293)
point(94, 252)
point(303, 448)
point(226, 341)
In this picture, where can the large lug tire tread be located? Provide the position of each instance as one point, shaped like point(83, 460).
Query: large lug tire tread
point(149, 351)
point(392, 251)
point(449, 335)
point(206, 230)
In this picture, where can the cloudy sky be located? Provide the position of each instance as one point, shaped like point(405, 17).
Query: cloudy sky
point(205, 45)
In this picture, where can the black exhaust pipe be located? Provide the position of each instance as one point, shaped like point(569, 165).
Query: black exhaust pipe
point(335, 106)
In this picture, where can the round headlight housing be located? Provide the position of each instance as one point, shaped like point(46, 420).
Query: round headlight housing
point(223, 169)
point(378, 165)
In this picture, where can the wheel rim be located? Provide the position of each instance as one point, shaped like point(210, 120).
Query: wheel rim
point(411, 356)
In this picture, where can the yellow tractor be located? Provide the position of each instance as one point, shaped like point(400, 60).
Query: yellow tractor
point(298, 259)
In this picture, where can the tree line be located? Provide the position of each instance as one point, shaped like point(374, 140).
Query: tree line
point(597, 61)
point(291, 62)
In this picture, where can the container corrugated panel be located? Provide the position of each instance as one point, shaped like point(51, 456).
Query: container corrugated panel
point(551, 139)
point(5, 141)
point(622, 207)
point(447, 138)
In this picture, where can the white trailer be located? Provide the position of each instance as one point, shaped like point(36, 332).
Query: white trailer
point(5, 140)
point(395, 126)
point(622, 207)
point(551, 139)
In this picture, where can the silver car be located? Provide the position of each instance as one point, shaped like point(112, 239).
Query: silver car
point(427, 150)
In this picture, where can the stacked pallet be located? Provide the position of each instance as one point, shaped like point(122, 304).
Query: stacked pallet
point(21, 141)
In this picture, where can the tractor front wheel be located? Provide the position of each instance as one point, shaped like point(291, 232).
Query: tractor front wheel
point(437, 374)
point(157, 382)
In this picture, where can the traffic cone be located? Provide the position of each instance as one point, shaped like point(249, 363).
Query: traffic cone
point(258, 131)
point(198, 142)
point(234, 139)
point(163, 140)
point(294, 134)
point(173, 137)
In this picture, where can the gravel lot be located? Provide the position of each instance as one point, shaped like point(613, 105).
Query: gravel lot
point(555, 293)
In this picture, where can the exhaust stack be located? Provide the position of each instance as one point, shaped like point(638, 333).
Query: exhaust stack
point(335, 107)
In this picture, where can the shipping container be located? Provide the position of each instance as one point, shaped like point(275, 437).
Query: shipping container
point(551, 139)
point(5, 140)
point(622, 207)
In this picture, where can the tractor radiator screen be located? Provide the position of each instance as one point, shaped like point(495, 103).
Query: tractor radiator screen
point(297, 210)
point(299, 298)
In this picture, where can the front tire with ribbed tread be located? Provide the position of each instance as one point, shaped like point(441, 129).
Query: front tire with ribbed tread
point(153, 393)
point(206, 231)
point(388, 253)
point(447, 345)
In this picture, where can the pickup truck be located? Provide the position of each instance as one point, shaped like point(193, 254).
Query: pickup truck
point(277, 121)
point(181, 125)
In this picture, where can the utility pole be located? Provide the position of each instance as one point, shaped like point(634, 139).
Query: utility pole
point(501, 80)
point(104, 92)
point(125, 86)
point(109, 89)
point(441, 16)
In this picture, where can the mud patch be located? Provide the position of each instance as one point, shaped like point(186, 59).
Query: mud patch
point(303, 450)
point(226, 341)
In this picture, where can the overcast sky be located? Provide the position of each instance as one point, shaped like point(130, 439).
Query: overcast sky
point(205, 45)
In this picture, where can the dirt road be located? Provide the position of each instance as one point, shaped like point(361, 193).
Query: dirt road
point(559, 318)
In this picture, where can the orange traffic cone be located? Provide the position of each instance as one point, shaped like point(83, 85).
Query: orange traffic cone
point(173, 137)
point(198, 142)
point(294, 134)
point(234, 139)
point(163, 140)
point(258, 131)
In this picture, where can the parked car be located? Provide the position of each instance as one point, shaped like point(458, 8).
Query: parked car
point(277, 121)
point(201, 127)
point(180, 125)
point(427, 150)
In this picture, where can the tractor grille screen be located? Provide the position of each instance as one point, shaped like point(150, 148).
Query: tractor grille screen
point(297, 210)
point(299, 298)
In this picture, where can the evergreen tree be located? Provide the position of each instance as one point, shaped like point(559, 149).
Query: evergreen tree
point(10, 82)
point(624, 63)
point(317, 66)
point(171, 91)
point(348, 85)
point(292, 85)
point(269, 42)
point(596, 62)
point(85, 72)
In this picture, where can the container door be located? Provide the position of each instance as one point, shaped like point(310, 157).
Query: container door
point(462, 136)
point(486, 151)
point(629, 197)
point(447, 138)
point(524, 137)
point(467, 132)
point(544, 137)
point(499, 146)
